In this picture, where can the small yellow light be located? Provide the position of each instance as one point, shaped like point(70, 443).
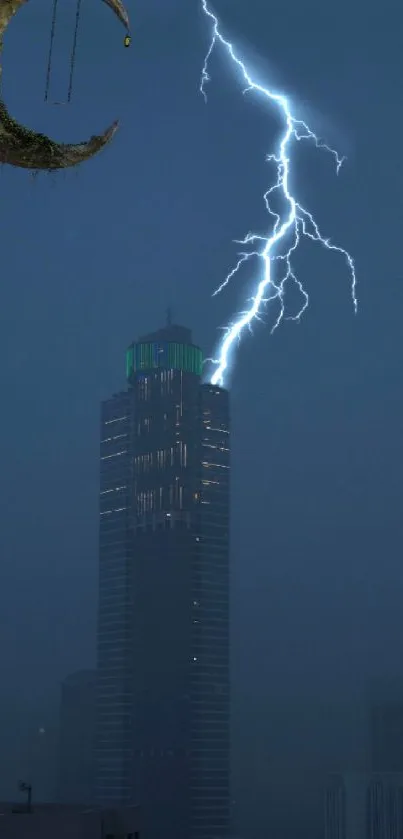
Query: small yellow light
point(127, 41)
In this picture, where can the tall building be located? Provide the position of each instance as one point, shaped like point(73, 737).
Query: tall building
point(364, 806)
point(76, 738)
point(386, 726)
point(387, 737)
point(163, 632)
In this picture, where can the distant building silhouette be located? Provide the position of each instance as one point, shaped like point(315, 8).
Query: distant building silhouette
point(56, 821)
point(76, 739)
point(386, 727)
point(364, 806)
point(163, 629)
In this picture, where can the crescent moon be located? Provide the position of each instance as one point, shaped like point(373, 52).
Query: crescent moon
point(19, 146)
point(119, 9)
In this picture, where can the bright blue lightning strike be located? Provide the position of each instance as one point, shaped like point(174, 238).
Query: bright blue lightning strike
point(295, 223)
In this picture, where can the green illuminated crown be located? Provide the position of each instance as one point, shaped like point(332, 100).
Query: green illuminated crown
point(168, 355)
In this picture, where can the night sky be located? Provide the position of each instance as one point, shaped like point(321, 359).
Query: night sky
point(90, 260)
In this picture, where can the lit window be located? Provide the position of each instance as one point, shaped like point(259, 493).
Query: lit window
point(117, 454)
point(117, 419)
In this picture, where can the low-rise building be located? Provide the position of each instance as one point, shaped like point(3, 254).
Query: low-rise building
point(48, 821)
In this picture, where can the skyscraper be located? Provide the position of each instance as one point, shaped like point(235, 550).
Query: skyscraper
point(386, 726)
point(76, 739)
point(364, 806)
point(163, 631)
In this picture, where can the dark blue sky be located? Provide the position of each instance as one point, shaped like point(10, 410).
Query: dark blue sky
point(90, 260)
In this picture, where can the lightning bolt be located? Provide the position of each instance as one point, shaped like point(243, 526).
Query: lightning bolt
point(287, 229)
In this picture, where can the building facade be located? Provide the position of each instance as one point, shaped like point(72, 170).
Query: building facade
point(364, 806)
point(163, 730)
point(386, 726)
point(76, 738)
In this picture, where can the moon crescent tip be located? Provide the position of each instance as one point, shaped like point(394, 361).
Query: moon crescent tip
point(111, 131)
point(120, 11)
